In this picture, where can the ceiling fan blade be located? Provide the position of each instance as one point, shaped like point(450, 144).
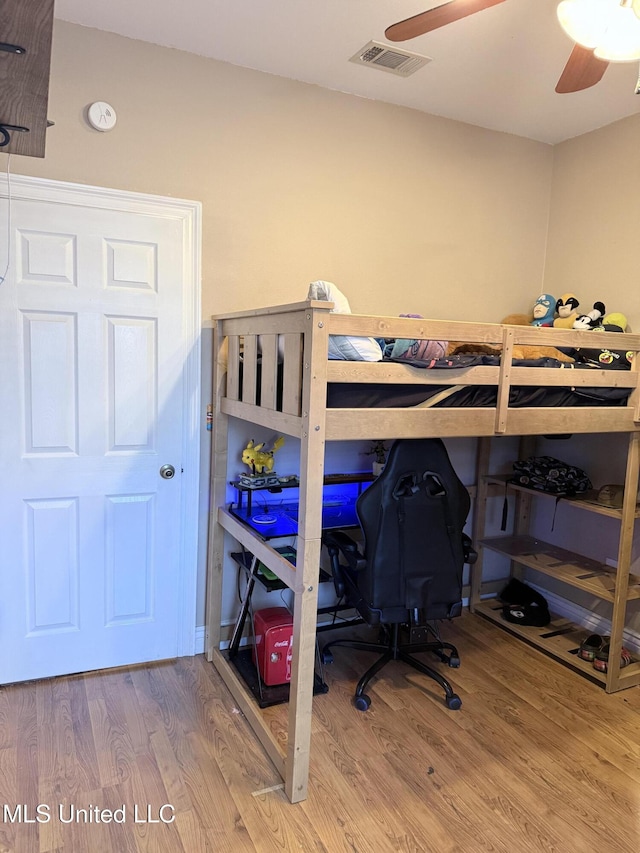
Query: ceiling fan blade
point(432, 19)
point(582, 71)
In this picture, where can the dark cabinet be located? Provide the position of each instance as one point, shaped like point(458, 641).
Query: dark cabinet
point(25, 59)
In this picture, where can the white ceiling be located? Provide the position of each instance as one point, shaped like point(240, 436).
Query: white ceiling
point(496, 69)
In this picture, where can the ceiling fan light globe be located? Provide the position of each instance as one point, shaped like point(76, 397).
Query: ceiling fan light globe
point(621, 40)
point(617, 54)
point(586, 21)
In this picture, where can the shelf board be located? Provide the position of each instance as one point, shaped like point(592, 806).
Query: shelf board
point(264, 694)
point(587, 501)
point(570, 568)
point(560, 640)
point(328, 480)
point(243, 559)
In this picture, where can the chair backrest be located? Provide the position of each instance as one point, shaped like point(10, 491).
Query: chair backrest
point(412, 518)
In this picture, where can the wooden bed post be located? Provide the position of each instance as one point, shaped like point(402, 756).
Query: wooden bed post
point(527, 448)
point(483, 454)
point(309, 543)
point(219, 455)
point(625, 548)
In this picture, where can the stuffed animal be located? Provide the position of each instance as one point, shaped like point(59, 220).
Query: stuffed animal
point(458, 348)
point(531, 351)
point(517, 320)
point(592, 319)
point(614, 322)
point(566, 311)
point(520, 351)
point(260, 461)
point(543, 310)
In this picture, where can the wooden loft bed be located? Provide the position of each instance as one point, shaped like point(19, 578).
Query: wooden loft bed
point(271, 369)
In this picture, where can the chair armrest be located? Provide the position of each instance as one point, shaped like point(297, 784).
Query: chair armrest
point(470, 553)
point(338, 542)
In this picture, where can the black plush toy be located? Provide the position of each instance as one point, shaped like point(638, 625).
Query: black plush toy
point(592, 319)
point(524, 605)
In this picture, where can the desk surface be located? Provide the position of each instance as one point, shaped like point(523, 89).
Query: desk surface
point(273, 521)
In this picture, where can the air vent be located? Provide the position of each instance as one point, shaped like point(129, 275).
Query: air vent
point(400, 62)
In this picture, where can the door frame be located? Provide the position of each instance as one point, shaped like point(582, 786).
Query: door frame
point(189, 214)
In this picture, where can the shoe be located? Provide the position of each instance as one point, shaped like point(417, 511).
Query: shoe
point(601, 659)
point(592, 644)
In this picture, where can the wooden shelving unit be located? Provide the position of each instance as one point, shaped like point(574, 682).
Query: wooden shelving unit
point(561, 640)
point(570, 568)
point(588, 500)
point(616, 586)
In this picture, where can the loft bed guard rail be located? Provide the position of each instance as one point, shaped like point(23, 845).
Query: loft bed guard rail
point(270, 356)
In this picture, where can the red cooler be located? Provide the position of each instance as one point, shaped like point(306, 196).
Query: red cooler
point(273, 629)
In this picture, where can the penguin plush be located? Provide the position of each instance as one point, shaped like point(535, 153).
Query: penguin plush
point(566, 311)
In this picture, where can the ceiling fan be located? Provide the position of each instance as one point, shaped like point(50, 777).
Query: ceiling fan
point(604, 31)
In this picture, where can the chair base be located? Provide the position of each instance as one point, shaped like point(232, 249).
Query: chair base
point(393, 649)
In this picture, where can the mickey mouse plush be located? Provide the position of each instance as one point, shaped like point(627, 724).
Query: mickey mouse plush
point(592, 319)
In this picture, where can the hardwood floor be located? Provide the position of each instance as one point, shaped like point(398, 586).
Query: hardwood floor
point(538, 759)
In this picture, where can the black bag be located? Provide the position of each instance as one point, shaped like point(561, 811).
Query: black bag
point(550, 475)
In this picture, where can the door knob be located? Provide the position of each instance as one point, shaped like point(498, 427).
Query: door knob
point(167, 472)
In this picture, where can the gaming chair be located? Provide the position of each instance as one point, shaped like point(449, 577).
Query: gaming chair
point(409, 573)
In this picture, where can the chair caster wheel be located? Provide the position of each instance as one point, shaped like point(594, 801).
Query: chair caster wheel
point(362, 702)
point(454, 703)
point(454, 661)
point(327, 657)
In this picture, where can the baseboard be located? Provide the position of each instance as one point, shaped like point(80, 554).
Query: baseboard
point(199, 640)
point(561, 606)
point(227, 628)
point(225, 637)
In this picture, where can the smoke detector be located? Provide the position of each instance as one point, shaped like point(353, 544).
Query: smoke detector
point(400, 62)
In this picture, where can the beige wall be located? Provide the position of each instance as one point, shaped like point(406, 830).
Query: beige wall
point(404, 211)
point(594, 249)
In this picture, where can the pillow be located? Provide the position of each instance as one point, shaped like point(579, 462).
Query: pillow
point(325, 291)
point(408, 349)
point(344, 347)
point(411, 349)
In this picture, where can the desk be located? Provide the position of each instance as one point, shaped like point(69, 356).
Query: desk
point(337, 487)
point(265, 695)
point(276, 519)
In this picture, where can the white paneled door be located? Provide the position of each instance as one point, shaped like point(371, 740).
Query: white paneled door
point(98, 340)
